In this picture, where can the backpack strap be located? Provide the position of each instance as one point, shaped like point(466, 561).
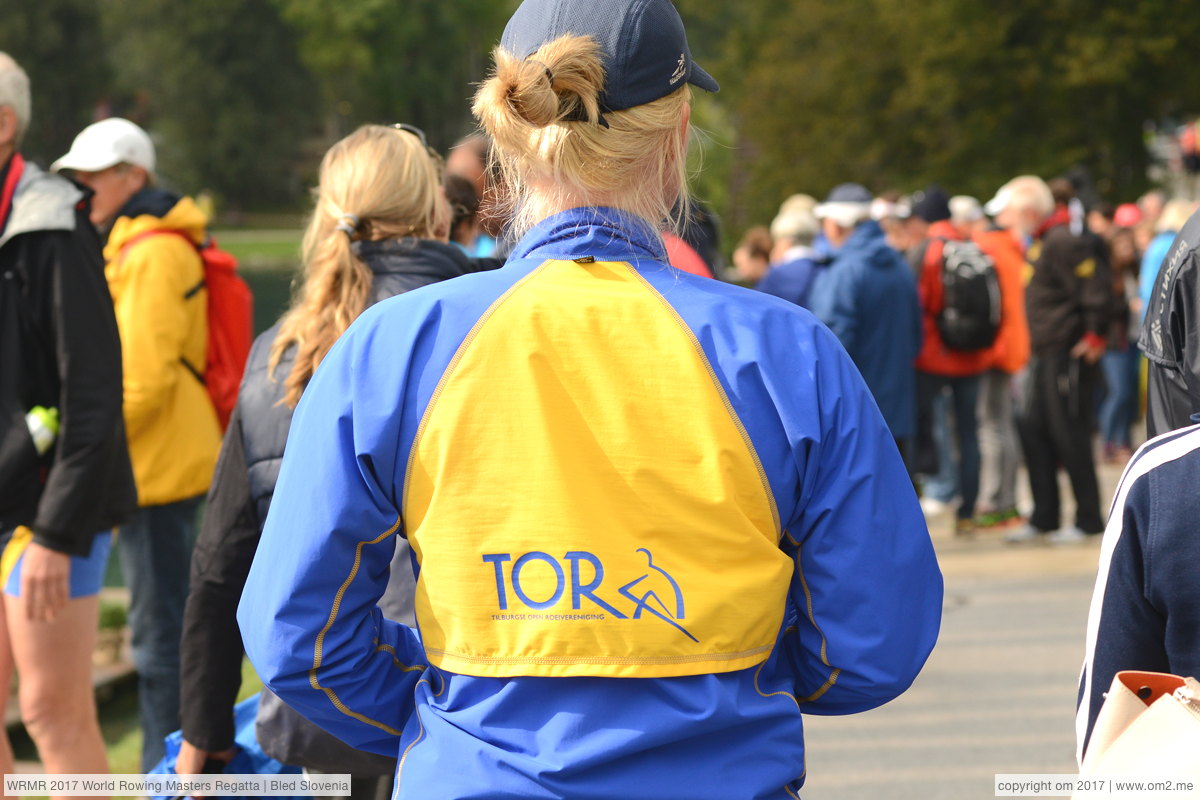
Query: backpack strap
point(188, 295)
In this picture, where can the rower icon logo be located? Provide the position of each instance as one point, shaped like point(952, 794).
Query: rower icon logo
point(654, 594)
point(680, 70)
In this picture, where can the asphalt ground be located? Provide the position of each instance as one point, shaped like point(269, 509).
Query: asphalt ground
point(998, 693)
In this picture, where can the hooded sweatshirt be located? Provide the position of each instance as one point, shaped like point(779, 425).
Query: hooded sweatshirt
point(868, 298)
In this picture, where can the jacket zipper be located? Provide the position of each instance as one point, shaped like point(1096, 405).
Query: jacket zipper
point(1189, 699)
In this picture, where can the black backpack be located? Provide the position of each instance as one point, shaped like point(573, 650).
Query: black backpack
point(970, 315)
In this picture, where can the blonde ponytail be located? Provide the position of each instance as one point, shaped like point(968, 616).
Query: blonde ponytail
point(377, 183)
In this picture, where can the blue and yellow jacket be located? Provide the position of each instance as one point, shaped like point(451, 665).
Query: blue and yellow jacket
point(654, 518)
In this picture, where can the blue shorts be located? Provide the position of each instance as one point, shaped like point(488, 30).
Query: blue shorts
point(87, 572)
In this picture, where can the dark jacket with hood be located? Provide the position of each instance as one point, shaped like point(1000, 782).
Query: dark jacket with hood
point(868, 298)
point(1171, 336)
point(59, 349)
point(1070, 292)
point(240, 496)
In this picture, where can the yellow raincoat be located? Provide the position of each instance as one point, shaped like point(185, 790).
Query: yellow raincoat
point(169, 419)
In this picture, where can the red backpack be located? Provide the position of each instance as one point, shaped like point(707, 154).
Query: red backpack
point(230, 322)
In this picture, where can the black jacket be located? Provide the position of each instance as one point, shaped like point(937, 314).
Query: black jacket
point(1171, 336)
point(59, 348)
point(240, 495)
point(1070, 291)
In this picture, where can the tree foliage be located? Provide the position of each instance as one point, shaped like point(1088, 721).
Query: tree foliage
point(896, 94)
point(219, 84)
point(51, 39)
point(243, 96)
point(416, 62)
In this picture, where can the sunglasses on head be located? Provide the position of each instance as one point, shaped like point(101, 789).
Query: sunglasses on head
point(413, 129)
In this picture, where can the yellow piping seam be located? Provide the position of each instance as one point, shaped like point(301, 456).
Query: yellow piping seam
point(712, 374)
point(789, 695)
point(761, 693)
point(387, 648)
point(420, 735)
point(441, 679)
point(791, 538)
point(618, 661)
point(318, 651)
point(808, 603)
point(828, 684)
point(451, 367)
point(824, 660)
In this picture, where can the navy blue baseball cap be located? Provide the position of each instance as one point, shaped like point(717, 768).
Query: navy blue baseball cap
point(645, 49)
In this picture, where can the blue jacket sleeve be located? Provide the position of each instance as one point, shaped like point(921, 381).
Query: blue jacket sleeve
point(867, 587)
point(309, 614)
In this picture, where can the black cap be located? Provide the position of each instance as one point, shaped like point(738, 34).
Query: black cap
point(931, 205)
point(644, 46)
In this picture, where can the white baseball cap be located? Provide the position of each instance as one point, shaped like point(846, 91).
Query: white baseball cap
point(107, 143)
point(1000, 202)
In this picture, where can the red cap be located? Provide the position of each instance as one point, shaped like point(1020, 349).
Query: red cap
point(1127, 215)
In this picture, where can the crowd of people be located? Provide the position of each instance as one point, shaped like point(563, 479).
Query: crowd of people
point(518, 499)
point(1010, 336)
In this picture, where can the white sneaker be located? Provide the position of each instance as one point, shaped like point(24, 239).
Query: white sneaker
point(1025, 533)
point(1068, 535)
point(932, 506)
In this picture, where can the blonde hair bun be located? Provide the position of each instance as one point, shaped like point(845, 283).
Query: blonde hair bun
point(562, 81)
point(556, 148)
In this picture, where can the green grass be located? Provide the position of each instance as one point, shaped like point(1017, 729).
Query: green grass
point(262, 249)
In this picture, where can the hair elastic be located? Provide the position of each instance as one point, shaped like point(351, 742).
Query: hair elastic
point(546, 69)
point(348, 225)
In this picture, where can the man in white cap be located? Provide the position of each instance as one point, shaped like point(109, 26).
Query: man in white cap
point(1019, 208)
point(868, 298)
point(65, 478)
point(156, 279)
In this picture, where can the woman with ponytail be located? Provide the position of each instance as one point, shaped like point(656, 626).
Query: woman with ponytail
point(378, 229)
point(654, 517)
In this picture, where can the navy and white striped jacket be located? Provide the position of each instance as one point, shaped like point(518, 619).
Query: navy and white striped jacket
point(1145, 612)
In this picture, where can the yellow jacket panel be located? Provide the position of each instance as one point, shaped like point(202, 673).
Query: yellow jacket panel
point(169, 419)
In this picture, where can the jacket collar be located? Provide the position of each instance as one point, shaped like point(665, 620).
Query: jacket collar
point(606, 234)
point(42, 202)
point(412, 255)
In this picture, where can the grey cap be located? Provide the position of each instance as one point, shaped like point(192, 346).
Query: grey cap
point(645, 49)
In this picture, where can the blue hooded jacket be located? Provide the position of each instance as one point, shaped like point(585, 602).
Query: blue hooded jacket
point(868, 298)
point(654, 518)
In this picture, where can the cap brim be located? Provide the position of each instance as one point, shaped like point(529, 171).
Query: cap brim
point(83, 162)
point(702, 79)
point(996, 204)
point(843, 213)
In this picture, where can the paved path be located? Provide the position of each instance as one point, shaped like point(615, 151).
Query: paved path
point(998, 693)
